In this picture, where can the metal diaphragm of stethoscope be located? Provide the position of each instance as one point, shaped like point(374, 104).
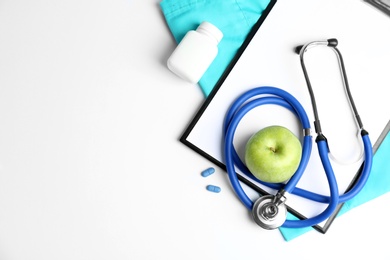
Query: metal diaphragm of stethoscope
point(270, 211)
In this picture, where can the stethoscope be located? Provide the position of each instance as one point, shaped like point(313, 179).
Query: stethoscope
point(270, 211)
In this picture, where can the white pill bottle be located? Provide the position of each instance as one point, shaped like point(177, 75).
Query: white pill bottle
point(195, 52)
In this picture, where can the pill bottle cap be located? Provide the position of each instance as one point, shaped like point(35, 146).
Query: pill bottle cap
point(210, 30)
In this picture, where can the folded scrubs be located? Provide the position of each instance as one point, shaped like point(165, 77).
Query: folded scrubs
point(235, 18)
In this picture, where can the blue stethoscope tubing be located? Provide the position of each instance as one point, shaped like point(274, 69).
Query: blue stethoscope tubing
point(250, 100)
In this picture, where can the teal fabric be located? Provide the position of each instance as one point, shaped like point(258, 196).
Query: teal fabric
point(235, 18)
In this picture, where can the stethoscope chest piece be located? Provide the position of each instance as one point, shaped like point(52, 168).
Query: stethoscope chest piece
point(268, 213)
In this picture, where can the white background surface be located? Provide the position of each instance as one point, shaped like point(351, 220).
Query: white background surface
point(90, 162)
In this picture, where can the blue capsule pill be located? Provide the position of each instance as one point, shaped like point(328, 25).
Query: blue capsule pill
point(213, 188)
point(208, 172)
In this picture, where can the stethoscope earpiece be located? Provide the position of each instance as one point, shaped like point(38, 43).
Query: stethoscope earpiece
point(332, 42)
point(298, 49)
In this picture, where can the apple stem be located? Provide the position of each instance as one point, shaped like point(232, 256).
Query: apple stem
point(272, 149)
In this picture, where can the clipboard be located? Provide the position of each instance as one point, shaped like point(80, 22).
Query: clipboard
point(267, 59)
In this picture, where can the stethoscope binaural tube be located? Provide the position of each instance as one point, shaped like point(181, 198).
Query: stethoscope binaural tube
point(332, 44)
point(367, 147)
point(270, 206)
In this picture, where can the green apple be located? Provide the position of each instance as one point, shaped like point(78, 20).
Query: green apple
point(273, 154)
